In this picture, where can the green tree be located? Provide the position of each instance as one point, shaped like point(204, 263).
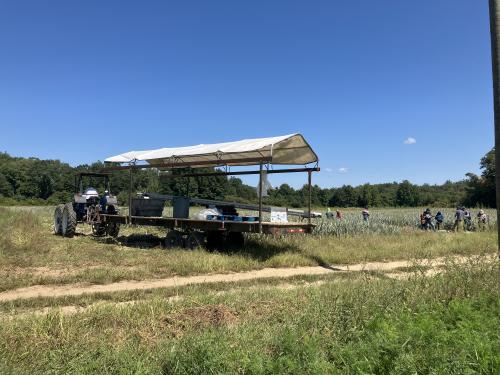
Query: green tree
point(45, 187)
point(5, 187)
point(407, 195)
point(481, 189)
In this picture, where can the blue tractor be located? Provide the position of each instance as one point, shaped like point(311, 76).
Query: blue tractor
point(88, 206)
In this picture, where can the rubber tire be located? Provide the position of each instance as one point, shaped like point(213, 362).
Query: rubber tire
point(173, 239)
point(215, 240)
point(58, 219)
point(235, 240)
point(113, 229)
point(99, 229)
point(195, 240)
point(68, 221)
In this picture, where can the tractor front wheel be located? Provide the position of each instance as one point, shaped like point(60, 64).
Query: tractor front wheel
point(58, 213)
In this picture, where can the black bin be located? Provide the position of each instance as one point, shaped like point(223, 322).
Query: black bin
point(150, 207)
point(181, 207)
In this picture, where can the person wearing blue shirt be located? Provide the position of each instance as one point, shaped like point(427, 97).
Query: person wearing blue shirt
point(439, 220)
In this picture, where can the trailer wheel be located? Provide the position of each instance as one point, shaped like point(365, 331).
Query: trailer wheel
point(58, 212)
point(195, 240)
point(68, 222)
point(173, 239)
point(235, 240)
point(112, 229)
point(99, 229)
point(215, 240)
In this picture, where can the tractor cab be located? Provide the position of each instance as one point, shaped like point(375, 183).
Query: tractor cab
point(87, 195)
point(90, 192)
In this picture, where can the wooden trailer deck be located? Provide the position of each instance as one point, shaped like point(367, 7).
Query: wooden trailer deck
point(211, 225)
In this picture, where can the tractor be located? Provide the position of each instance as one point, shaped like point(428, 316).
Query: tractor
point(87, 207)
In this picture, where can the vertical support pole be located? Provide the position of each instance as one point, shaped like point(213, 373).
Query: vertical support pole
point(309, 178)
point(260, 198)
point(495, 55)
point(130, 198)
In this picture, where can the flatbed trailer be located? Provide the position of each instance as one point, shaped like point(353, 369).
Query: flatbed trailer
point(188, 225)
point(291, 149)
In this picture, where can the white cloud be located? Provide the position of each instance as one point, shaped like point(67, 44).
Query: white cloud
point(410, 141)
point(343, 170)
point(329, 170)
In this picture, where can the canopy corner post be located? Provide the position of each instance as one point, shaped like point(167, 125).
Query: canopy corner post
point(260, 197)
point(130, 196)
point(309, 179)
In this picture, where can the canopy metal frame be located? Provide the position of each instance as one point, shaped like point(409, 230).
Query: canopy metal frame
point(261, 162)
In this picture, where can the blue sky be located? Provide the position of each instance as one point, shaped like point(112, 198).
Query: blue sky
point(83, 80)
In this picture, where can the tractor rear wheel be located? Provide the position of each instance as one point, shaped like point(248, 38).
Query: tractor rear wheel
point(173, 239)
point(68, 222)
point(58, 212)
point(195, 240)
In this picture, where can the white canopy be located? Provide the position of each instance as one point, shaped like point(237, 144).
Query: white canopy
point(287, 149)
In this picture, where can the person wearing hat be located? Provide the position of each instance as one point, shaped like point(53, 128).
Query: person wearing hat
point(482, 219)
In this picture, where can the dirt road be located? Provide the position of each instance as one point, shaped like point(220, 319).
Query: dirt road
point(79, 289)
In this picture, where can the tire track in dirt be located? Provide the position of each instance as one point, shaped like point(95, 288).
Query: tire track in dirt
point(176, 281)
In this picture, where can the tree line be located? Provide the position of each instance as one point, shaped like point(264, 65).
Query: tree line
point(35, 181)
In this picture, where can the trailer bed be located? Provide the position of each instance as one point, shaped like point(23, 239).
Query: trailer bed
point(211, 225)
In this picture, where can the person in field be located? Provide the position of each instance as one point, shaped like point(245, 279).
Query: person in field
point(422, 220)
point(366, 214)
point(468, 225)
point(439, 220)
point(482, 220)
point(428, 224)
point(459, 219)
point(340, 216)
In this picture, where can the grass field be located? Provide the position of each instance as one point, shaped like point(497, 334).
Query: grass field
point(354, 323)
point(31, 255)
